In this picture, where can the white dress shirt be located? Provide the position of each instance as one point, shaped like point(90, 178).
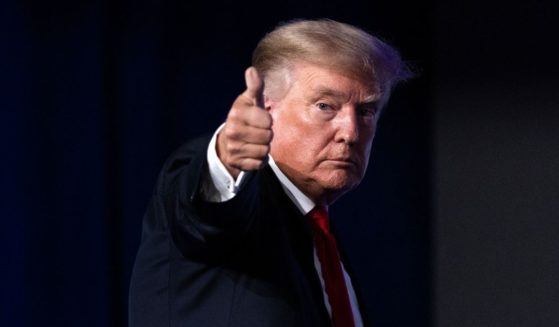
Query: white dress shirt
point(221, 186)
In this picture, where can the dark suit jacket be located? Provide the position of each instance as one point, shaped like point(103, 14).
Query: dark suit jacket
point(244, 262)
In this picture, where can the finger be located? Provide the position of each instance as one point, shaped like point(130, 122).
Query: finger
point(249, 134)
point(240, 116)
point(254, 151)
point(255, 86)
point(240, 151)
point(248, 164)
point(259, 118)
point(259, 136)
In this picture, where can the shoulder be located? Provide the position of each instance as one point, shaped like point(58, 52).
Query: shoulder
point(187, 161)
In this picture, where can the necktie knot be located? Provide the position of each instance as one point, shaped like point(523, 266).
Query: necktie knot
point(319, 218)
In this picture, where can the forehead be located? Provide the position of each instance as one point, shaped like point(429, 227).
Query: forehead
point(327, 81)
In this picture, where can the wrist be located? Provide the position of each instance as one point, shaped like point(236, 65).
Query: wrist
point(219, 148)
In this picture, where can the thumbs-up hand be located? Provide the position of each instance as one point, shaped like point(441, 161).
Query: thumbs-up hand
point(244, 142)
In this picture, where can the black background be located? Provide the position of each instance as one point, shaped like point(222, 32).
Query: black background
point(454, 225)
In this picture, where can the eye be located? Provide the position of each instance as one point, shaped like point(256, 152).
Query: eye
point(323, 106)
point(368, 110)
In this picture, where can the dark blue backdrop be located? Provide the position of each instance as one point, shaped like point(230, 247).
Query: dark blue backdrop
point(96, 94)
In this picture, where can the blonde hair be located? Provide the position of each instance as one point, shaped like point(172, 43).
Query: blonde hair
point(342, 47)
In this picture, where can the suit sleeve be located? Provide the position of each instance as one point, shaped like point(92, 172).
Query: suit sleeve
point(202, 230)
point(218, 185)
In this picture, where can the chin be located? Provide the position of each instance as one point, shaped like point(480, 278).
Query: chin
point(341, 182)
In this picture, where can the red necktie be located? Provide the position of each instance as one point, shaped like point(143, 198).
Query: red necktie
point(331, 268)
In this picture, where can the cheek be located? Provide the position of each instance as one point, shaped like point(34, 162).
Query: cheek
point(294, 129)
point(366, 141)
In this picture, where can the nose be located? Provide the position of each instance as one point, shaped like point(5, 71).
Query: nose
point(347, 122)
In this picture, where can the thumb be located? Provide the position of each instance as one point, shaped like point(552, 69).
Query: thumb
point(255, 86)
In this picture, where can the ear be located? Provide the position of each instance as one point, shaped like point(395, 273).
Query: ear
point(268, 103)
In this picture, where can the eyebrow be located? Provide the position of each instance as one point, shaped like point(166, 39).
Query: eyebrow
point(327, 92)
point(372, 98)
point(322, 91)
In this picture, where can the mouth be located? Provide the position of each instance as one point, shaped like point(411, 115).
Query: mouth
point(342, 162)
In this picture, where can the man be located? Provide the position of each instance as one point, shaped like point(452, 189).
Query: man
point(237, 231)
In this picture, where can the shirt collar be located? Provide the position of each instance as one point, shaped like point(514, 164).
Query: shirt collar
point(303, 202)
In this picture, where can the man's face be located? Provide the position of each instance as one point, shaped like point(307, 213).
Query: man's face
point(323, 131)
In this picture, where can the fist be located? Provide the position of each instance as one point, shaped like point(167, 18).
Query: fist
point(244, 142)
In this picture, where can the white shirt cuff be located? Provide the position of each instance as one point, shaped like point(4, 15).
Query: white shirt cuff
point(219, 186)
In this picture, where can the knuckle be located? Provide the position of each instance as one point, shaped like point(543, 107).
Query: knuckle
point(267, 119)
point(236, 165)
point(266, 150)
point(269, 136)
point(233, 132)
point(228, 131)
point(234, 112)
point(246, 98)
point(237, 112)
point(232, 148)
point(246, 164)
point(261, 115)
point(261, 152)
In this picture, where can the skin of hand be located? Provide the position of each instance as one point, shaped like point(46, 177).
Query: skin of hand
point(322, 131)
point(244, 142)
